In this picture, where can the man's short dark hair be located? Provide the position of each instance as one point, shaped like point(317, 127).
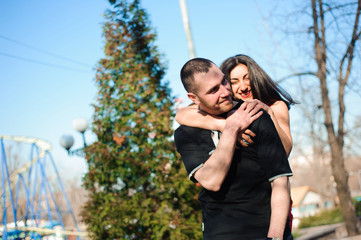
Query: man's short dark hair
point(193, 66)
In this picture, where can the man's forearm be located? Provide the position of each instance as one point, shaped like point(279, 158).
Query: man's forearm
point(215, 169)
point(280, 204)
point(212, 174)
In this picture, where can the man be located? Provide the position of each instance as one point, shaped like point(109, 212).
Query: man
point(245, 190)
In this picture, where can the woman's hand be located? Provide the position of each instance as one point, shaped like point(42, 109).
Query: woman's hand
point(245, 138)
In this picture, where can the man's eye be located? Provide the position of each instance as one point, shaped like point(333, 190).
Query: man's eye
point(214, 90)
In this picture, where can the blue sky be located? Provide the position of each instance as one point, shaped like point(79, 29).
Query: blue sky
point(48, 50)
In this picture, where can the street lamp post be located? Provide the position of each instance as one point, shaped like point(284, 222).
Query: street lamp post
point(67, 141)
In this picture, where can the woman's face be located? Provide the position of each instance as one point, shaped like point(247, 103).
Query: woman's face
point(240, 83)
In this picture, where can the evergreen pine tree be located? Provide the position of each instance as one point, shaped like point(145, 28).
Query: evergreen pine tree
point(138, 188)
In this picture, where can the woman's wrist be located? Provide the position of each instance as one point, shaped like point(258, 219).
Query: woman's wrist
point(220, 124)
point(269, 110)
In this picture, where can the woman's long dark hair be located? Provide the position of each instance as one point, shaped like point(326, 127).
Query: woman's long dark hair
point(262, 86)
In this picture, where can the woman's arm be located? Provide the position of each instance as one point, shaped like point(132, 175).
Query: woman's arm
point(281, 119)
point(194, 117)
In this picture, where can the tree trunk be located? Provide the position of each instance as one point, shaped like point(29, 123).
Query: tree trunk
point(341, 179)
point(335, 141)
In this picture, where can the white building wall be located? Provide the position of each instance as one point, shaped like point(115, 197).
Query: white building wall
point(310, 205)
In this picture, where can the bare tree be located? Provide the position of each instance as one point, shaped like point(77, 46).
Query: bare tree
point(13, 160)
point(335, 129)
point(312, 158)
point(332, 37)
point(77, 197)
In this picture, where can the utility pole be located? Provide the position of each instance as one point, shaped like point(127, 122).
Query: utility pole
point(187, 28)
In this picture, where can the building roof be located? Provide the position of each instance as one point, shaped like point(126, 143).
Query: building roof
point(298, 193)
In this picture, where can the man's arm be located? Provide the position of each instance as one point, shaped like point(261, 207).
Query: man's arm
point(274, 160)
point(212, 174)
point(280, 206)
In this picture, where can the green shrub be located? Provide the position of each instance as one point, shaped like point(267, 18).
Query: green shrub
point(322, 218)
point(296, 234)
point(358, 207)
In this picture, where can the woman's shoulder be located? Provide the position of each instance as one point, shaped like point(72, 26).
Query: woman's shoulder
point(279, 105)
point(280, 109)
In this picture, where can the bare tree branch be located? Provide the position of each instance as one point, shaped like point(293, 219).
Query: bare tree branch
point(348, 56)
point(297, 75)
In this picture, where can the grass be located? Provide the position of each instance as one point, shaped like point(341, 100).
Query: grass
point(324, 217)
point(327, 217)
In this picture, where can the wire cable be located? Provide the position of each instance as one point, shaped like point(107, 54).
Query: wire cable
point(44, 51)
point(43, 63)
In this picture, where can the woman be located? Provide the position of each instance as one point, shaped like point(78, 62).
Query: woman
point(249, 82)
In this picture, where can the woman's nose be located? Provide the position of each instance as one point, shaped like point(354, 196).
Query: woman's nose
point(242, 85)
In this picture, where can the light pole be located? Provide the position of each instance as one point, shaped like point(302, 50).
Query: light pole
point(187, 28)
point(67, 141)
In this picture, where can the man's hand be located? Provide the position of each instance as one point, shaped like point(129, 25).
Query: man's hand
point(241, 118)
point(213, 172)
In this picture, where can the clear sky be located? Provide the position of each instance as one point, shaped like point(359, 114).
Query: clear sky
point(48, 50)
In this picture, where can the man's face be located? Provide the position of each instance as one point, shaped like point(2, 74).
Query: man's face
point(213, 94)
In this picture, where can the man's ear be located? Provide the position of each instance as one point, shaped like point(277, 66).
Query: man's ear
point(193, 98)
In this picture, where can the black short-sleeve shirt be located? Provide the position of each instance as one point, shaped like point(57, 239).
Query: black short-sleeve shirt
point(241, 208)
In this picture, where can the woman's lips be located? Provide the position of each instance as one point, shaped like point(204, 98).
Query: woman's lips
point(246, 94)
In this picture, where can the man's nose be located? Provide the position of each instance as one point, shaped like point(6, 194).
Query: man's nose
point(226, 90)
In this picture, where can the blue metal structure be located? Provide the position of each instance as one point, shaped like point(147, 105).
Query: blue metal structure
point(32, 182)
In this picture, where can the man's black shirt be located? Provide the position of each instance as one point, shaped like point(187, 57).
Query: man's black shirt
point(241, 208)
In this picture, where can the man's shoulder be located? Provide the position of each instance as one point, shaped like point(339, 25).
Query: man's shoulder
point(265, 116)
point(264, 119)
point(192, 135)
point(190, 131)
